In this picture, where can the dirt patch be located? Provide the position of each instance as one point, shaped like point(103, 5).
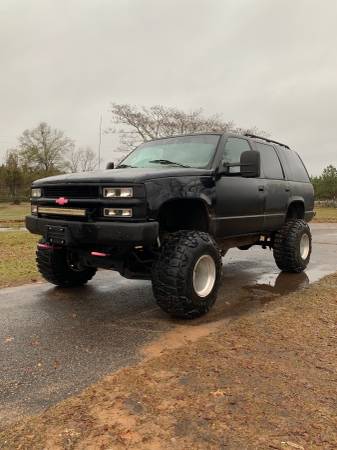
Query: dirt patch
point(266, 380)
point(182, 335)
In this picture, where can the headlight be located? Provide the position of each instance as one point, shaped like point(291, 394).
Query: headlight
point(36, 192)
point(118, 192)
point(118, 212)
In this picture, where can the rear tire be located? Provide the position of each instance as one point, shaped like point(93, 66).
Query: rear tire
point(292, 246)
point(186, 276)
point(54, 267)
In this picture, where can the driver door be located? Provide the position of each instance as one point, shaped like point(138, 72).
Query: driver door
point(239, 200)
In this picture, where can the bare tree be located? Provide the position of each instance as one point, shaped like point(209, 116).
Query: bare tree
point(73, 161)
point(44, 148)
point(89, 160)
point(135, 125)
point(82, 160)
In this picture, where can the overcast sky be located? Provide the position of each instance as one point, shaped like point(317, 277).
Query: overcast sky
point(268, 63)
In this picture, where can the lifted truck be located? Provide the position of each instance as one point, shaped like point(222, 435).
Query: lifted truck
point(170, 210)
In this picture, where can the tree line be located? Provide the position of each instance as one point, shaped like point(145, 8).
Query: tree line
point(325, 185)
point(41, 152)
point(44, 151)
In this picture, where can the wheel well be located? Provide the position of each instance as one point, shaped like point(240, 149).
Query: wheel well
point(183, 215)
point(295, 210)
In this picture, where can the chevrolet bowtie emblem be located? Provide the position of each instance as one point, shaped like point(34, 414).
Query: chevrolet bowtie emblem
point(61, 201)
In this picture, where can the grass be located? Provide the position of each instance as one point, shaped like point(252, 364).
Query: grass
point(326, 215)
point(11, 215)
point(17, 262)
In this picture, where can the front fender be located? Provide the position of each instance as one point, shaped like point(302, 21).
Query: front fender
point(162, 190)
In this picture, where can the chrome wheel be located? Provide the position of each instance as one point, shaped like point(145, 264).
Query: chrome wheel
point(304, 246)
point(204, 275)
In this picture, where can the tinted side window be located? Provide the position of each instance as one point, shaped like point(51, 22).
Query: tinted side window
point(295, 167)
point(270, 163)
point(233, 149)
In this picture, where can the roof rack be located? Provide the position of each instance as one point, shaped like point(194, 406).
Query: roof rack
point(266, 139)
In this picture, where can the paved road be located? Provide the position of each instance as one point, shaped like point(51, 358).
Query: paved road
point(55, 342)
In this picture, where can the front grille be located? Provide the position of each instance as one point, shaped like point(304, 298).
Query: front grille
point(71, 191)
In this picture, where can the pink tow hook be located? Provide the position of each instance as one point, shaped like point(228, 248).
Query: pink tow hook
point(48, 246)
point(44, 245)
point(99, 254)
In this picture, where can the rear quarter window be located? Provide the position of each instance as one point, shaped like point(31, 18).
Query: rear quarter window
point(294, 167)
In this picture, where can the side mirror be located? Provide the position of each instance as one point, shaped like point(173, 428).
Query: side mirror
point(110, 165)
point(250, 164)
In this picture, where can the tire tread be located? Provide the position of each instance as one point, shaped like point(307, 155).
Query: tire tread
point(168, 275)
point(286, 244)
point(53, 266)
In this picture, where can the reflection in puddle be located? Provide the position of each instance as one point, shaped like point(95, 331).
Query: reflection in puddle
point(272, 285)
point(247, 286)
point(251, 279)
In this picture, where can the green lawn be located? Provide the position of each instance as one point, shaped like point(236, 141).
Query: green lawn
point(17, 262)
point(11, 215)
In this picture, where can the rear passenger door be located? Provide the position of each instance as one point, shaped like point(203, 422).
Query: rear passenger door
point(276, 188)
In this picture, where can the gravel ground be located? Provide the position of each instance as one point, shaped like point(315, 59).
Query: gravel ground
point(265, 381)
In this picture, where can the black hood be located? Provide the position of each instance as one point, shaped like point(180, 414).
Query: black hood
point(122, 175)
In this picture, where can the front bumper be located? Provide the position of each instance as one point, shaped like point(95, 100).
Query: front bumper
point(103, 233)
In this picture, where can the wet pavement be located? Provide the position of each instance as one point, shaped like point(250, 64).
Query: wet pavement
point(54, 342)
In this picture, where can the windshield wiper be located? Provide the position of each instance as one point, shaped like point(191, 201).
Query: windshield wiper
point(125, 166)
point(167, 162)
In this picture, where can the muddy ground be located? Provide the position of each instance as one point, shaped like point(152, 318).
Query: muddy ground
point(266, 380)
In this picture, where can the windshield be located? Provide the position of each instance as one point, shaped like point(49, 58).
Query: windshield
point(184, 151)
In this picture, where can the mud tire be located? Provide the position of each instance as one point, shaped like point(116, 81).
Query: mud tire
point(172, 274)
point(287, 246)
point(53, 266)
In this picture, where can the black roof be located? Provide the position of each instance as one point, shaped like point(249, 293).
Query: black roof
point(254, 136)
point(219, 133)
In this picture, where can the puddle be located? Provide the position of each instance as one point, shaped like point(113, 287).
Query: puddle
point(281, 283)
point(250, 281)
point(12, 229)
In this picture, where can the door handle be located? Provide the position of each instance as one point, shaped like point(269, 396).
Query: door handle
point(261, 188)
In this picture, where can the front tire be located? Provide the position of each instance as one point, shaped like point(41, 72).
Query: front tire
point(292, 246)
point(186, 276)
point(53, 265)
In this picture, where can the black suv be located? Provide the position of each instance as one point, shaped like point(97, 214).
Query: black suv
point(170, 210)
